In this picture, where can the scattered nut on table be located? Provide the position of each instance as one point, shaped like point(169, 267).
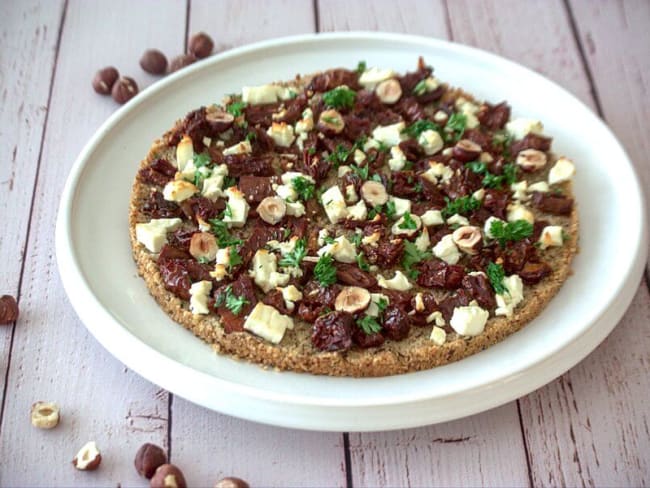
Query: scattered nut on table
point(168, 476)
point(124, 89)
point(181, 61)
point(45, 415)
point(231, 482)
point(153, 61)
point(104, 80)
point(88, 458)
point(149, 458)
point(8, 310)
point(200, 45)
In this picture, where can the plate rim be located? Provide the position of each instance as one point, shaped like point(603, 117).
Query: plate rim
point(67, 261)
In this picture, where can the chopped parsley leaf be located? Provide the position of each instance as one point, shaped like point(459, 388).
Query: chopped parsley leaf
point(229, 181)
point(220, 230)
point(369, 324)
point(510, 231)
point(376, 178)
point(496, 274)
point(420, 88)
point(374, 211)
point(331, 120)
point(412, 255)
point(477, 167)
point(390, 209)
point(233, 302)
point(503, 140)
point(362, 263)
point(462, 205)
point(491, 180)
point(339, 97)
point(408, 222)
point(329, 240)
point(203, 260)
point(294, 258)
point(414, 130)
point(325, 271)
point(234, 258)
point(305, 188)
point(356, 239)
point(236, 108)
point(251, 136)
point(311, 151)
point(286, 233)
point(227, 211)
point(360, 171)
point(456, 125)
point(382, 304)
point(361, 67)
point(200, 160)
point(339, 155)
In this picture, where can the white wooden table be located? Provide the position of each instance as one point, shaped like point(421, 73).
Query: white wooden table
point(589, 427)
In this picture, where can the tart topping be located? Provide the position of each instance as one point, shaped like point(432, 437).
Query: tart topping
point(179, 190)
point(531, 159)
point(374, 193)
point(203, 246)
point(352, 299)
point(153, 234)
point(467, 238)
point(398, 282)
point(199, 293)
point(272, 210)
point(562, 170)
point(266, 322)
point(552, 235)
point(389, 91)
point(469, 320)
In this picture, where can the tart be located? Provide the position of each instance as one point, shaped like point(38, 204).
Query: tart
point(354, 222)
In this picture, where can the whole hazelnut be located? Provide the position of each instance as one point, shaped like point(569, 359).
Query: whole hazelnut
point(168, 476)
point(148, 458)
point(88, 458)
point(181, 61)
point(104, 80)
point(231, 482)
point(8, 310)
point(124, 89)
point(200, 45)
point(154, 62)
point(45, 415)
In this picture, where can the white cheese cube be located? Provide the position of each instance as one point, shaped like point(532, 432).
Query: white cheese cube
point(488, 225)
point(507, 302)
point(519, 128)
point(266, 322)
point(179, 190)
point(469, 320)
point(291, 295)
point(519, 190)
point(397, 159)
point(343, 170)
point(153, 234)
point(264, 271)
point(479, 194)
point(457, 219)
point(391, 135)
point(199, 294)
point(562, 170)
point(351, 194)
point(184, 152)
point(257, 95)
point(322, 234)
point(517, 211)
point(438, 172)
point(359, 156)
point(402, 205)
point(341, 249)
point(284, 247)
point(371, 144)
point(446, 250)
point(422, 242)
point(437, 318)
point(432, 217)
point(398, 282)
point(281, 133)
point(236, 209)
point(540, 186)
point(438, 335)
point(375, 299)
point(469, 110)
point(295, 209)
point(213, 187)
point(371, 77)
point(288, 176)
point(305, 124)
point(358, 211)
point(430, 141)
point(286, 192)
point(334, 204)
point(399, 227)
point(286, 92)
point(243, 147)
point(300, 141)
point(551, 236)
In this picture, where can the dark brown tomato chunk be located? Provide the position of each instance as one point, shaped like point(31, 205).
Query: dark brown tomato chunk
point(516, 255)
point(315, 166)
point(316, 300)
point(532, 141)
point(396, 323)
point(242, 287)
point(400, 299)
point(478, 137)
point(157, 207)
point(410, 109)
point(333, 332)
point(533, 273)
point(180, 238)
point(496, 201)
point(244, 164)
point(200, 207)
point(553, 204)
point(159, 172)
point(411, 79)
point(355, 126)
point(276, 300)
point(256, 188)
point(293, 109)
point(364, 340)
point(411, 149)
point(422, 306)
point(260, 235)
point(494, 117)
point(332, 78)
point(432, 194)
point(405, 184)
point(298, 226)
point(459, 298)
point(175, 277)
point(435, 273)
point(386, 253)
point(350, 274)
point(260, 114)
point(479, 287)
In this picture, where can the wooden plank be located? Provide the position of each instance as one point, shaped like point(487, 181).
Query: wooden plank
point(590, 427)
point(54, 357)
point(28, 35)
point(207, 445)
point(413, 16)
point(482, 450)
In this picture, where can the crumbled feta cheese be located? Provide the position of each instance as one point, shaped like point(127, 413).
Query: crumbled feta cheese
point(398, 282)
point(562, 170)
point(438, 172)
point(371, 144)
point(397, 159)
point(519, 190)
point(295, 209)
point(305, 124)
point(286, 192)
point(432, 217)
point(258, 95)
point(430, 141)
point(266, 322)
point(507, 302)
point(281, 133)
point(469, 110)
point(184, 152)
point(479, 194)
point(438, 335)
point(153, 234)
point(457, 219)
point(488, 226)
point(199, 294)
point(517, 211)
point(519, 128)
point(402, 205)
point(375, 299)
point(371, 77)
point(423, 242)
point(551, 236)
point(341, 249)
point(284, 247)
point(359, 211)
point(437, 318)
point(419, 302)
point(351, 194)
point(334, 204)
point(213, 187)
point(343, 170)
point(264, 271)
point(288, 176)
point(359, 156)
point(300, 140)
point(291, 295)
point(236, 209)
point(286, 92)
point(540, 186)
point(399, 227)
point(179, 190)
point(446, 250)
point(391, 135)
point(469, 320)
point(322, 234)
point(243, 147)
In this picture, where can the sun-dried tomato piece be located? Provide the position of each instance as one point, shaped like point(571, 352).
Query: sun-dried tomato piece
point(333, 332)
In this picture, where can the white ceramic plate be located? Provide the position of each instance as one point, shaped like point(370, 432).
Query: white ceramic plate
point(100, 278)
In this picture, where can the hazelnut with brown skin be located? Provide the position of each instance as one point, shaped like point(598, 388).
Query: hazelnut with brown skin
point(153, 61)
point(149, 458)
point(88, 458)
point(124, 89)
point(231, 482)
point(8, 310)
point(104, 80)
point(200, 45)
point(168, 476)
point(181, 61)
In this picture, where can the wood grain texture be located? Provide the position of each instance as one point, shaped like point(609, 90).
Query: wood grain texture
point(207, 445)
point(590, 427)
point(29, 31)
point(482, 450)
point(54, 357)
point(422, 17)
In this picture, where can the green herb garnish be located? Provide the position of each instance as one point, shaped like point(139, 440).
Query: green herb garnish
point(236, 108)
point(325, 271)
point(229, 181)
point(228, 211)
point(510, 231)
point(496, 274)
point(382, 304)
point(412, 255)
point(251, 136)
point(490, 180)
point(456, 125)
point(390, 209)
point(234, 258)
point(220, 230)
point(420, 88)
point(362, 263)
point(356, 239)
point(369, 324)
point(462, 205)
point(339, 97)
point(360, 171)
point(408, 222)
point(200, 160)
point(361, 67)
point(233, 302)
point(294, 258)
point(414, 130)
point(503, 140)
point(340, 155)
point(305, 188)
